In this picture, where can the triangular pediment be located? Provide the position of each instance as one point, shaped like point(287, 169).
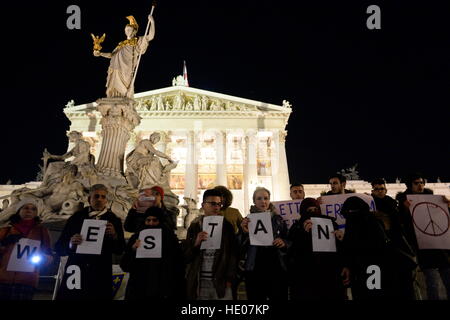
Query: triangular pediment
point(182, 98)
point(191, 100)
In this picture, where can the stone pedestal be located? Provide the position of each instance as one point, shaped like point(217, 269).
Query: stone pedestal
point(119, 118)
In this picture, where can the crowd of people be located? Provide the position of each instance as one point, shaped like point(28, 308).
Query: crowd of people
point(289, 269)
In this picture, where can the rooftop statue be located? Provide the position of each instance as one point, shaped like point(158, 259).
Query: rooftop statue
point(125, 58)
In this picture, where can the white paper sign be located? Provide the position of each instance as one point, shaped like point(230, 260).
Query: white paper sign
point(260, 229)
point(92, 233)
point(331, 205)
point(213, 226)
point(289, 210)
point(21, 254)
point(431, 221)
point(323, 238)
point(151, 244)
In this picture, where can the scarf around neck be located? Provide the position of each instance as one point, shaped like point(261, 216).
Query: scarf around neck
point(24, 226)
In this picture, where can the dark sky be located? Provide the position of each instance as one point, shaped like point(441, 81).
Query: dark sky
point(379, 98)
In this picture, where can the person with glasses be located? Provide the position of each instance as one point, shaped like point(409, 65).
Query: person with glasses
point(434, 263)
point(210, 272)
point(265, 266)
point(154, 278)
point(94, 270)
point(315, 275)
point(404, 260)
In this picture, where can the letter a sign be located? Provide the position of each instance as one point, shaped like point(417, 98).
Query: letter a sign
point(260, 229)
point(323, 238)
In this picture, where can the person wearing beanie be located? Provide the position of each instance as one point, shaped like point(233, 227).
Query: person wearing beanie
point(25, 223)
point(148, 197)
point(154, 278)
point(315, 275)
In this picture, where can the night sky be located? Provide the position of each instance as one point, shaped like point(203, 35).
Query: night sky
point(379, 98)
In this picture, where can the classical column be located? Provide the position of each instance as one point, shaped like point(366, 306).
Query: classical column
point(191, 174)
point(250, 168)
point(280, 172)
point(221, 158)
point(119, 118)
point(165, 139)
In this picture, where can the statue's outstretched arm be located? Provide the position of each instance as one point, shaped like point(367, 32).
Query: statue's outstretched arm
point(158, 153)
point(102, 54)
point(151, 33)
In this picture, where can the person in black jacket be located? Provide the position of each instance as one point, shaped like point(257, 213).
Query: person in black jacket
point(314, 275)
point(89, 276)
point(404, 262)
point(367, 252)
point(155, 278)
point(434, 263)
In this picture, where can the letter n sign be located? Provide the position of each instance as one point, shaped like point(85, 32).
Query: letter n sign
point(323, 238)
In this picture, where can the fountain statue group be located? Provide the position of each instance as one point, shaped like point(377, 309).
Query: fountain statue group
point(68, 177)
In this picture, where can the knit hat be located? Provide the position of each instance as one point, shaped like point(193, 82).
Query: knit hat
point(307, 203)
point(25, 201)
point(155, 212)
point(159, 190)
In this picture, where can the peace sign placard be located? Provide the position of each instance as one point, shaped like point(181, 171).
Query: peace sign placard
point(431, 219)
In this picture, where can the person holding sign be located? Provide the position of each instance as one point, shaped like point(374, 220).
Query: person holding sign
point(297, 191)
point(405, 261)
point(210, 272)
point(337, 185)
point(148, 197)
point(158, 277)
point(368, 252)
point(265, 266)
point(316, 274)
point(88, 276)
point(435, 263)
point(233, 216)
point(24, 224)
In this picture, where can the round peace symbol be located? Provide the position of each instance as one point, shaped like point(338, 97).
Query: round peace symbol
point(437, 223)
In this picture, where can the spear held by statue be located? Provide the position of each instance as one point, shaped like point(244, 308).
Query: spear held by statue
point(140, 55)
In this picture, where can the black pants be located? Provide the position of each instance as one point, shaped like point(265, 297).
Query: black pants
point(270, 285)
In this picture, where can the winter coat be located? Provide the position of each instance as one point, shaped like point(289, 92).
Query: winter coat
point(366, 244)
point(314, 275)
point(160, 278)
point(37, 232)
point(225, 259)
point(96, 270)
point(428, 258)
point(234, 217)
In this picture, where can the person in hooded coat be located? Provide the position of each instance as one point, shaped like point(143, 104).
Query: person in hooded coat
point(314, 275)
point(155, 278)
point(367, 252)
